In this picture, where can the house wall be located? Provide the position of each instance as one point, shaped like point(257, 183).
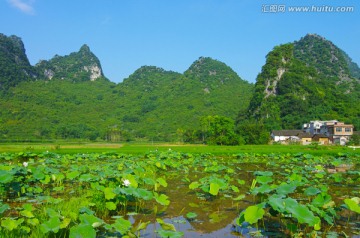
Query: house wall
point(343, 131)
point(306, 141)
point(324, 141)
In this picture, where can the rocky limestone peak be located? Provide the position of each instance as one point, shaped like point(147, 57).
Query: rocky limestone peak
point(77, 66)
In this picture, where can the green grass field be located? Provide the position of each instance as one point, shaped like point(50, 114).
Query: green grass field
point(141, 148)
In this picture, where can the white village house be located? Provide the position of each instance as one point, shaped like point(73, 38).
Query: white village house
point(323, 132)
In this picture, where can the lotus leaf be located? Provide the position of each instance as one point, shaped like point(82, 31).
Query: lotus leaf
point(52, 225)
point(264, 179)
point(5, 176)
point(121, 225)
point(109, 194)
point(353, 204)
point(311, 191)
point(170, 234)
point(285, 188)
point(191, 215)
point(110, 206)
point(82, 231)
point(166, 226)
point(11, 224)
point(214, 189)
point(253, 213)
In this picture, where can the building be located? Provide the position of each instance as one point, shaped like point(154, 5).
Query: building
point(305, 138)
point(338, 132)
point(322, 132)
point(285, 136)
point(321, 139)
point(314, 127)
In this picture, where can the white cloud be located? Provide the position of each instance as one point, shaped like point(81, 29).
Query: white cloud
point(24, 6)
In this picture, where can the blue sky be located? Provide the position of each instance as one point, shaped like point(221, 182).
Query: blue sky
point(172, 34)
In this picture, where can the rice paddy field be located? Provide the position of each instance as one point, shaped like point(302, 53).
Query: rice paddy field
point(163, 190)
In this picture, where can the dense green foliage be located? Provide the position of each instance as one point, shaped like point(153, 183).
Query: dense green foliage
point(152, 104)
point(306, 80)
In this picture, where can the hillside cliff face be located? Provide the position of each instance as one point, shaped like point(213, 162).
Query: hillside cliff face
point(306, 80)
point(78, 66)
point(14, 64)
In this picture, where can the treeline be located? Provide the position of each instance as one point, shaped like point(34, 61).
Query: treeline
point(213, 130)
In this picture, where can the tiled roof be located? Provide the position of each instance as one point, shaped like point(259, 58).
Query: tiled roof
point(286, 132)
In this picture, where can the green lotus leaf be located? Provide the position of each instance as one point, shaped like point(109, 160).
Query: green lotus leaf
point(33, 221)
point(311, 191)
point(27, 213)
point(263, 173)
point(214, 189)
point(11, 224)
point(353, 205)
point(52, 225)
point(121, 225)
point(72, 174)
point(264, 179)
point(109, 194)
point(253, 213)
point(162, 199)
point(285, 188)
point(5, 176)
point(110, 206)
point(170, 234)
point(89, 219)
point(3, 208)
point(265, 188)
point(235, 189)
point(82, 231)
point(194, 185)
point(144, 194)
point(165, 226)
point(142, 226)
point(162, 182)
point(191, 215)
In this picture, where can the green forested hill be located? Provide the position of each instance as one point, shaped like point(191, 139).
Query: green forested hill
point(306, 80)
point(68, 97)
point(152, 104)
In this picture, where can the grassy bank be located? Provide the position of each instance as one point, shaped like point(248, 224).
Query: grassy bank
point(140, 148)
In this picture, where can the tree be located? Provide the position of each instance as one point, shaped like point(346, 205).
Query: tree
point(219, 130)
point(254, 133)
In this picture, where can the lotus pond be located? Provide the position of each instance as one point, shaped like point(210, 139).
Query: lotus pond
point(172, 194)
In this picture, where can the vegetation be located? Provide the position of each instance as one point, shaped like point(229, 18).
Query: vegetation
point(114, 194)
point(151, 105)
point(72, 100)
point(302, 81)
